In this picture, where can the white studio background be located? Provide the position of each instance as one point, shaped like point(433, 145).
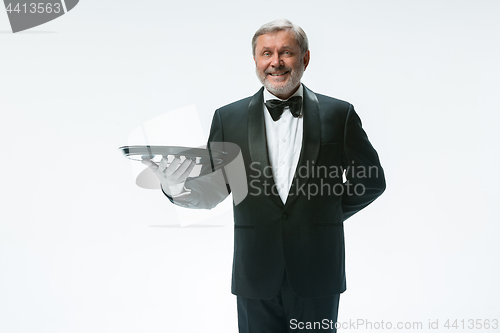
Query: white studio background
point(83, 249)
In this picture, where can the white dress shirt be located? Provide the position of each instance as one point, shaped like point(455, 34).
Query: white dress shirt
point(284, 143)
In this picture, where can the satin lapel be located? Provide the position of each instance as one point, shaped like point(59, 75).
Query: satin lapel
point(311, 141)
point(257, 143)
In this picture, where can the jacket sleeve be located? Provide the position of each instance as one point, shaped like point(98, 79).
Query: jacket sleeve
point(365, 176)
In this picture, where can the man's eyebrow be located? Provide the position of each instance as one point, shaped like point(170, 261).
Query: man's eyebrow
point(284, 47)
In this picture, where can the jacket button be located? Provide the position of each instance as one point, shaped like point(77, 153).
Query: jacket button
point(284, 216)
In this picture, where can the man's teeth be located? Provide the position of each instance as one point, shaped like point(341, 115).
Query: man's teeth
point(278, 74)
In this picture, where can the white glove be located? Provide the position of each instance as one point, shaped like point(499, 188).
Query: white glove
point(172, 177)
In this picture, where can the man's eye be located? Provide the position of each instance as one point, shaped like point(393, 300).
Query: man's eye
point(287, 52)
point(267, 54)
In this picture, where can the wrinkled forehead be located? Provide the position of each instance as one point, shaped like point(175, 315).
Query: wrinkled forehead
point(281, 38)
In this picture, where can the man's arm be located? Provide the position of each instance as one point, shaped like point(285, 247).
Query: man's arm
point(203, 192)
point(365, 176)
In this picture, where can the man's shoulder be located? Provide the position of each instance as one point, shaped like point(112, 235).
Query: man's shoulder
point(332, 102)
point(238, 105)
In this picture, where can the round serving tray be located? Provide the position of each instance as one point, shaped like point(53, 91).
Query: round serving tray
point(156, 153)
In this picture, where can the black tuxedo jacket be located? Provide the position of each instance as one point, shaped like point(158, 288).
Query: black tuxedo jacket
point(305, 235)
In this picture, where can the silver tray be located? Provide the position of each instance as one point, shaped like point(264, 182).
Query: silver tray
point(156, 153)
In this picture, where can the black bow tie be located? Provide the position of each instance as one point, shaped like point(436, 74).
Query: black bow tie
point(276, 107)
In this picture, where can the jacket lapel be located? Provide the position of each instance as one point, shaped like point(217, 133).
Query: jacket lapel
point(257, 143)
point(311, 141)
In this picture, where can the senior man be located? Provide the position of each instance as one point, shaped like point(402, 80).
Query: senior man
point(309, 167)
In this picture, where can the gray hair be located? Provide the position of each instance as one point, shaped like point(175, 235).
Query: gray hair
point(280, 25)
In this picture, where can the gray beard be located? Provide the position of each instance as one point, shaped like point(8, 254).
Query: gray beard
point(282, 89)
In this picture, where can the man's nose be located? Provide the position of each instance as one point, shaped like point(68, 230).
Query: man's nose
point(276, 61)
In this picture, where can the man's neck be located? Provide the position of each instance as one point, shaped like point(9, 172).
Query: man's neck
point(287, 96)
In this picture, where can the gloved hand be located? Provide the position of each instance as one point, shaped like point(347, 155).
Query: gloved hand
point(172, 177)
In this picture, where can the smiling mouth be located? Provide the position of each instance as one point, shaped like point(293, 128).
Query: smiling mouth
point(278, 74)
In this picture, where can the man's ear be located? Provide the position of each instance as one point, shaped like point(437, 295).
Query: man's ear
point(306, 58)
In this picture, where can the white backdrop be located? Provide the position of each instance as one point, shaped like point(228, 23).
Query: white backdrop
point(83, 249)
